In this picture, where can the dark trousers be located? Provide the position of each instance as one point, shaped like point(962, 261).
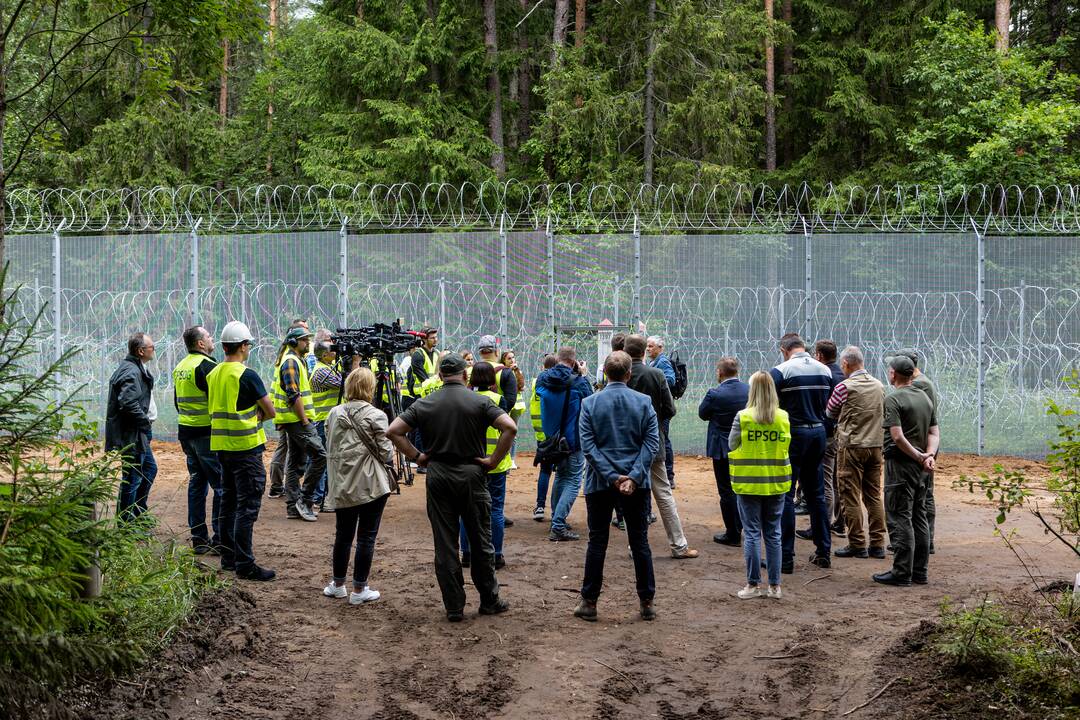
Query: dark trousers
point(931, 508)
point(669, 454)
point(243, 480)
point(320, 488)
point(806, 452)
point(599, 506)
point(362, 523)
point(305, 448)
point(729, 504)
point(204, 475)
point(277, 464)
point(458, 494)
point(135, 484)
point(543, 480)
point(905, 514)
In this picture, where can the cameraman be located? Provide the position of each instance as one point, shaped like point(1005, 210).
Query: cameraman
point(326, 385)
point(423, 364)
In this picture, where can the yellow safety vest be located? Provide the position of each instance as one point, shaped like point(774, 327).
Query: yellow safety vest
point(760, 465)
point(193, 410)
point(324, 400)
point(430, 385)
point(493, 438)
point(430, 367)
point(231, 429)
point(286, 414)
point(534, 413)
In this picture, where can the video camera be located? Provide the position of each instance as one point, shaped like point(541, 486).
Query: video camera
point(371, 341)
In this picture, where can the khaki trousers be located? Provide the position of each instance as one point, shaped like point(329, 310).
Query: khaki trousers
point(859, 472)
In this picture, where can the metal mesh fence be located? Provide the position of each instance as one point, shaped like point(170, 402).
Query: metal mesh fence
point(707, 295)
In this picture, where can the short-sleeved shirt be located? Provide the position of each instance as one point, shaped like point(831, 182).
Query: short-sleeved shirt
point(924, 383)
point(251, 389)
point(453, 422)
point(911, 410)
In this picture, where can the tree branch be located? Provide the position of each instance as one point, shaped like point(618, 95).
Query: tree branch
point(14, 16)
point(1037, 513)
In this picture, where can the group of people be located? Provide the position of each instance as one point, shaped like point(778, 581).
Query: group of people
point(808, 425)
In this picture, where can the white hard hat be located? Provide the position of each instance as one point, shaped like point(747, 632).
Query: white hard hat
point(236, 332)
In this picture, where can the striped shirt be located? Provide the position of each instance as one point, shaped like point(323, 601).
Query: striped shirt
point(804, 386)
point(839, 397)
point(325, 379)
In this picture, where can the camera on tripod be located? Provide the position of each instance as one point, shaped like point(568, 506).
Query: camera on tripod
point(373, 341)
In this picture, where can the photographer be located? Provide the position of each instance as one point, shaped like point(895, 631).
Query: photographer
point(423, 364)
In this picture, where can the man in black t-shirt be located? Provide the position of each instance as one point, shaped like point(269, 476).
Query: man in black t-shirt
point(454, 423)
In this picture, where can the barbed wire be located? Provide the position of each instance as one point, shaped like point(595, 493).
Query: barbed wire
point(513, 205)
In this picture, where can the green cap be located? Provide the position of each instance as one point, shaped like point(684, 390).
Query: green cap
point(296, 333)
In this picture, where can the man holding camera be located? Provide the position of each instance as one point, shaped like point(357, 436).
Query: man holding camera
point(295, 414)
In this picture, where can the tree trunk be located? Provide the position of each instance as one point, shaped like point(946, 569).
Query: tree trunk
point(650, 109)
point(579, 36)
point(1002, 15)
point(770, 91)
point(3, 120)
point(223, 91)
point(434, 76)
point(524, 81)
point(789, 89)
point(558, 37)
point(270, 90)
point(359, 11)
point(495, 121)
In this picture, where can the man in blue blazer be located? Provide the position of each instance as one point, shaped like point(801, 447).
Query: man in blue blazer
point(619, 438)
point(719, 407)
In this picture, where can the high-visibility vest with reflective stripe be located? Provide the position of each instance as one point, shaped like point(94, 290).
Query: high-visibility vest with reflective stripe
point(493, 437)
point(430, 385)
point(430, 367)
point(760, 465)
point(231, 429)
point(191, 402)
point(373, 365)
point(285, 414)
point(534, 414)
point(324, 400)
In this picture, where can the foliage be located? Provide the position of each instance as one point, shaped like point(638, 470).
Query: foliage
point(50, 537)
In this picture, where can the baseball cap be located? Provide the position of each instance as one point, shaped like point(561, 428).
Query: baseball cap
point(910, 353)
point(296, 333)
point(452, 364)
point(902, 364)
point(488, 341)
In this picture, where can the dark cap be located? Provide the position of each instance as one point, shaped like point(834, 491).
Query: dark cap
point(902, 364)
point(428, 330)
point(488, 341)
point(296, 333)
point(452, 364)
point(910, 353)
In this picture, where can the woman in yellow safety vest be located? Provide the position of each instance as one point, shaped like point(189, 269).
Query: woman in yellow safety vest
point(509, 360)
point(760, 477)
point(483, 381)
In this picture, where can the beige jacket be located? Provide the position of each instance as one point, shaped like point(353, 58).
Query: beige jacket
point(354, 476)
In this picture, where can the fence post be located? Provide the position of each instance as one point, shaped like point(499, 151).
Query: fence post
point(980, 296)
point(808, 308)
point(243, 298)
point(780, 310)
point(193, 296)
point(442, 312)
point(504, 310)
point(1020, 334)
point(58, 350)
point(637, 275)
point(343, 273)
point(551, 280)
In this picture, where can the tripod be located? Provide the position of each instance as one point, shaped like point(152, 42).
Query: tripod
point(386, 379)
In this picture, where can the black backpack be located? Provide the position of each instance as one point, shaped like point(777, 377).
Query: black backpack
point(681, 380)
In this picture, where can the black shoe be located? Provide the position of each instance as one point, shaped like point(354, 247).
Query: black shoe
point(276, 492)
point(878, 553)
point(931, 549)
point(500, 562)
point(499, 606)
point(586, 610)
point(801, 509)
point(848, 551)
point(455, 615)
point(562, 536)
point(726, 538)
point(256, 573)
point(919, 579)
point(839, 529)
point(620, 524)
point(887, 578)
point(807, 534)
point(648, 612)
point(228, 566)
point(466, 560)
point(204, 548)
point(291, 513)
point(652, 518)
point(822, 561)
point(507, 522)
point(787, 566)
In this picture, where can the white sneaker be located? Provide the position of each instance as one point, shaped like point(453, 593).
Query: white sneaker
point(335, 591)
point(776, 593)
point(538, 514)
point(365, 596)
point(513, 465)
point(750, 591)
point(306, 513)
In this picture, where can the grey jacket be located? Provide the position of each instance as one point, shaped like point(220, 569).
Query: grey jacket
point(354, 475)
point(126, 419)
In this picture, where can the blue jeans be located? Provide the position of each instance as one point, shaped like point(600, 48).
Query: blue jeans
point(542, 483)
point(806, 453)
point(496, 483)
point(204, 473)
point(760, 517)
point(567, 483)
point(320, 489)
point(135, 484)
point(669, 453)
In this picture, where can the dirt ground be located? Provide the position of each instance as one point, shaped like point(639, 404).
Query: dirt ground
point(708, 655)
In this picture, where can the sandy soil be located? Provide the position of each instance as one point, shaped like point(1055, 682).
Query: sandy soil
point(303, 655)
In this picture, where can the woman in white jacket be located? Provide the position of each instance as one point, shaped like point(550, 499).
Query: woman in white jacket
point(358, 483)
